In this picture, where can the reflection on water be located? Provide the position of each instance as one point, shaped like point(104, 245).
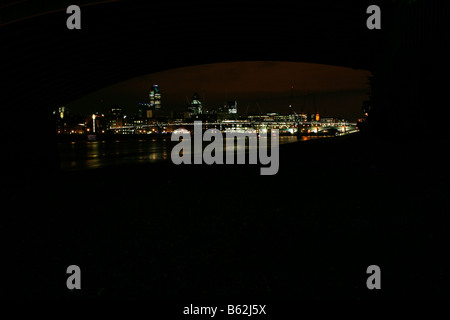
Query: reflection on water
point(97, 154)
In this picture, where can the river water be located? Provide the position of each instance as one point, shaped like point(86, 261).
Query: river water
point(80, 155)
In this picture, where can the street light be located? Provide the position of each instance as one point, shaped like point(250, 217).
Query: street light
point(93, 123)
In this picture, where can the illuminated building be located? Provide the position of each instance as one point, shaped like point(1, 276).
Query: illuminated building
point(144, 111)
point(195, 107)
point(62, 111)
point(231, 107)
point(116, 118)
point(155, 97)
point(228, 110)
point(314, 117)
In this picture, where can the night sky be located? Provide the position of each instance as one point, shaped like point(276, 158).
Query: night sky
point(264, 86)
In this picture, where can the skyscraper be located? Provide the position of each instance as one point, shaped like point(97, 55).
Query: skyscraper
point(144, 110)
point(155, 97)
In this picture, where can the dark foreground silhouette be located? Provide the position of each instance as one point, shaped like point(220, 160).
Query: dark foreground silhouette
point(162, 231)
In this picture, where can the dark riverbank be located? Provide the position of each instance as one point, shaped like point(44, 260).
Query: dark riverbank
point(162, 231)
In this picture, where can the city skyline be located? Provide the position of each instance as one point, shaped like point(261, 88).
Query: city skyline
point(258, 86)
point(118, 189)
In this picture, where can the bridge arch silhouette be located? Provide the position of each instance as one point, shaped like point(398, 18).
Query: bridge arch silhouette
point(46, 65)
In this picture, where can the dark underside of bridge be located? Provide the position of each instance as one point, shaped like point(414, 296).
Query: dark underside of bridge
point(242, 235)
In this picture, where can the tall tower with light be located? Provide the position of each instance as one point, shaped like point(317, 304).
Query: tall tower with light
point(155, 97)
point(93, 123)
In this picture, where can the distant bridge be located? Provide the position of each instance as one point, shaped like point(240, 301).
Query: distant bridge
point(313, 126)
